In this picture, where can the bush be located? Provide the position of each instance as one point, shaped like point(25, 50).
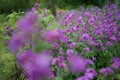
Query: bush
point(81, 45)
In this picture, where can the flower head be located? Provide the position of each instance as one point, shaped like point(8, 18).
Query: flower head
point(16, 42)
point(77, 63)
point(106, 71)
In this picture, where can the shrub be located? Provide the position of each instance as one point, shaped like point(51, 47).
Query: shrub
point(78, 49)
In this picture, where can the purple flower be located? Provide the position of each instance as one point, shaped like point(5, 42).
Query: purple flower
point(64, 39)
point(26, 57)
point(36, 66)
point(60, 51)
point(85, 37)
point(92, 43)
point(72, 45)
point(56, 45)
point(113, 38)
point(77, 63)
point(91, 21)
point(16, 42)
point(33, 9)
point(94, 58)
point(51, 35)
point(108, 43)
point(102, 48)
point(60, 61)
point(83, 78)
point(89, 62)
point(26, 24)
point(116, 63)
point(86, 49)
point(106, 71)
point(74, 28)
point(100, 44)
point(37, 5)
point(90, 73)
point(69, 52)
point(62, 64)
point(55, 60)
point(44, 9)
point(79, 20)
point(87, 14)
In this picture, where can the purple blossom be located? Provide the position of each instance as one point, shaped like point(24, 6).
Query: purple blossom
point(94, 58)
point(113, 38)
point(26, 24)
point(60, 61)
point(92, 43)
point(106, 71)
point(55, 60)
point(36, 66)
point(56, 45)
point(16, 42)
point(86, 49)
point(74, 28)
point(62, 64)
point(25, 57)
point(33, 9)
point(60, 51)
point(89, 62)
point(37, 5)
point(51, 35)
point(79, 20)
point(100, 44)
point(91, 73)
point(116, 63)
point(69, 52)
point(72, 45)
point(83, 78)
point(64, 39)
point(108, 43)
point(102, 48)
point(91, 21)
point(87, 14)
point(77, 64)
point(85, 37)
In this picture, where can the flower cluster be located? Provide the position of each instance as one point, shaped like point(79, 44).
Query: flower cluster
point(73, 44)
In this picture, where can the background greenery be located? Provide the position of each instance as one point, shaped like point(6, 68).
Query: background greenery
point(8, 6)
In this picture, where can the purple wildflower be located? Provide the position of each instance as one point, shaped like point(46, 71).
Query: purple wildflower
point(72, 45)
point(90, 73)
point(51, 35)
point(37, 5)
point(60, 51)
point(36, 66)
point(16, 42)
point(83, 78)
point(85, 37)
point(108, 43)
point(94, 58)
point(86, 49)
point(77, 64)
point(89, 62)
point(25, 57)
point(113, 38)
point(33, 9)
point(26, 24)
point(106, 71)
point(69, 52)
point(55, 45)
point(116, 63)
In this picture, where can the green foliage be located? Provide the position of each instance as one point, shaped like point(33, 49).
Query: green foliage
point(7, 6)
